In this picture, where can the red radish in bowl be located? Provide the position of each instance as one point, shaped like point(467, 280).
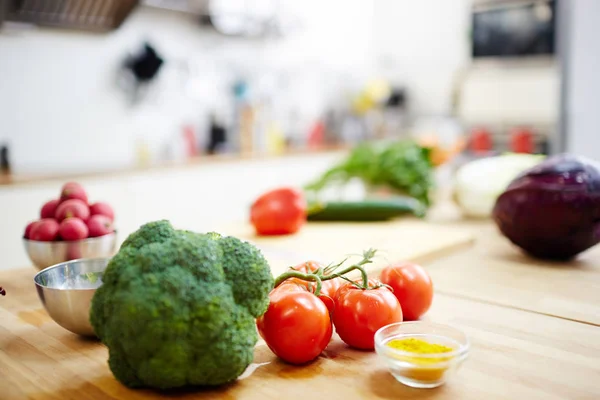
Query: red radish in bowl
point(101, 208)
point(28, 229)
point(73, 229)
point(71, 218)
point(99, 225)
point(73, 190)
point(49, 209)
point(45, 230)
point(72, 208)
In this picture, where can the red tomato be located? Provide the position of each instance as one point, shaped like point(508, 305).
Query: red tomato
point(298, 285)
point(360, 313)
point(328, 287)
point(373, 283)
point(290, 285)
point(412, 287)
point(296, 326)
point(306, 268)
point(309, 266)
point(278, 212)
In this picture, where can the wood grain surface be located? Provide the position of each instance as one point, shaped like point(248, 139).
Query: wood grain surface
point(514, 355)
point(507, 304)
point(495, 271)
point(395, 241)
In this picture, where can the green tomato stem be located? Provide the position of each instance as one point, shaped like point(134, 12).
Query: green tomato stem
point(367, 259)
point(300, 275)
point(321, 275)
point(363, 273)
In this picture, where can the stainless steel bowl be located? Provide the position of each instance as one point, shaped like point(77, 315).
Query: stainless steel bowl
point(66, 291)
point(45, 254)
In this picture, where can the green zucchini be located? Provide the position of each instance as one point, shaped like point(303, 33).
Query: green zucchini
point(366, 210)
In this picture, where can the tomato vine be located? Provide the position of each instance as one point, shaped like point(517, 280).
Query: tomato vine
point(332, 272)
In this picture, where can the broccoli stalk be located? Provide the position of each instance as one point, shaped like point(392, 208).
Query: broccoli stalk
point(178, 308)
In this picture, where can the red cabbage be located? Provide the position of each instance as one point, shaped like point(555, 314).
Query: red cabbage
point(552, 211)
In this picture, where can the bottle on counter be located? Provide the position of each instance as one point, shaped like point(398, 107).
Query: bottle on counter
point(246, 129)
point(4, 160)
point(521, 141)
point(481, 142)
point(217, 136)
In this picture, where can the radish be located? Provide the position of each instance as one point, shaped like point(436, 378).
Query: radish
point(99, 225)
point(101, 208)
point(28, 229)
point(73, 190)
point(72, 208)
point(45, 230)
point(73, 229)
point(49, 209)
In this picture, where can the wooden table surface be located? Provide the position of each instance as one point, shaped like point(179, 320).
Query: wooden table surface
point(495, 271)
point(532, 328)
point(404, 239)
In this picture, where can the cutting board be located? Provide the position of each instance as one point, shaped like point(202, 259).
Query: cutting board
point(399, 240)
point(514, 355)
point(495, 271)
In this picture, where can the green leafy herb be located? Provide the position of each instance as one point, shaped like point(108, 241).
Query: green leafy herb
point(403, 166)
point(92, 276)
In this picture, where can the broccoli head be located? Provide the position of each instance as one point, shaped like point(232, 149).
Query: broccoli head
point(178, 308)
point(152, 232)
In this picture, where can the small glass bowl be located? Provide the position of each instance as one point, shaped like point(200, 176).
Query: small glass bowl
point(422, 370)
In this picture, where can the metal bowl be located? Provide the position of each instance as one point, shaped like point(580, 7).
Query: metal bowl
point(45, 254)
point(66, 290)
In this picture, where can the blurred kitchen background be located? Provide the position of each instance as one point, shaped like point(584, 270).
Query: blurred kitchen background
point(276, 89)
point(93, 85)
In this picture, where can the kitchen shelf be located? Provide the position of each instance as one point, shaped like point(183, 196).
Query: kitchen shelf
point(87, 15)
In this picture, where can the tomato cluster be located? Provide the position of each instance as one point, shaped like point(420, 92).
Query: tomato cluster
point(309, 302)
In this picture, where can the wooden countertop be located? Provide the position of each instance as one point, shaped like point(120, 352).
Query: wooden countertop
point(496, 272)
point(533, 331)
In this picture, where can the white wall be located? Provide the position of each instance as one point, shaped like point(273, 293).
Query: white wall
point(511, 95)
point(423, 45)
point(583, 79)
point(61, 110)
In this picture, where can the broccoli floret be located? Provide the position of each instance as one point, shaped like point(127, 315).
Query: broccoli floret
point(240, 260)
point(178, 308)
point(152, 232)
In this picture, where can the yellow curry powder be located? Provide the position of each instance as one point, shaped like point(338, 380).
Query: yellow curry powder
point(418, 346)
point(412, 345)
